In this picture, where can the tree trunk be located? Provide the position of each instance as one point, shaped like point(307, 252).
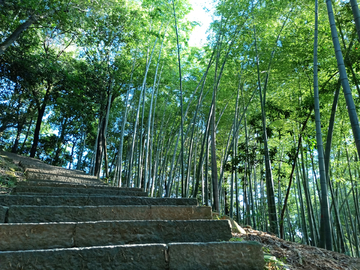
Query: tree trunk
point(72, 155)
point(60, 142)
point(325, 228)
point(20, 127)
point(206, 180)
point(101, 152)
point(171, 179)
point(274, 227)
point(305, 235)
point(81, 151)
point(118, 171)
point(143, 87)
point(11, 39)
point(356, 13)
point(234, 149)
point(331, 130)
point(291, 178)
point(309, 207)
point(214, 174)
point(147, 173)
point(99, 148)
point(344, 80)
point(26, 136)
point(337, 221)
point(268, 171)
point(41, 111)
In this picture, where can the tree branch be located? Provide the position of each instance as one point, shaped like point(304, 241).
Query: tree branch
point(11, 39)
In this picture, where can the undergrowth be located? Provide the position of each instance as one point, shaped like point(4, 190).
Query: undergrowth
point(10, 174)
point(271, 262)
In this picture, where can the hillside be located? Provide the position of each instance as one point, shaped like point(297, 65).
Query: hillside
point(279, 254)
point(10, 172)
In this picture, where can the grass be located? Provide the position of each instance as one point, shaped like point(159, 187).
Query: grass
point(10, 174)
point(271, 262)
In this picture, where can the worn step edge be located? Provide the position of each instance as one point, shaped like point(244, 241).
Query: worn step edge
point(143, 256)
point(224, 255)
point(35, 182)
point(89, 194)
point(56, 184)
point(29, 214)
point(218, 255)
point(62, 178)
point(69, 181)
point(88, 200)
point(73, 190)
point(25, 236)
point(58, 171)
point(43, 174)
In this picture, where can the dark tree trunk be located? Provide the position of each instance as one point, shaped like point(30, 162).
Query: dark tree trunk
point(72, 155)
point(99, 149)
point(20, 127)
point(60, 142)
point(26, 136)
point(41, 111)
point(81, 152)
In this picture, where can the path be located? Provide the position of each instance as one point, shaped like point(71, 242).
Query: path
point(65, 219)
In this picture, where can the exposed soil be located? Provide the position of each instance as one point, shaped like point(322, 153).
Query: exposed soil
point(290, 255)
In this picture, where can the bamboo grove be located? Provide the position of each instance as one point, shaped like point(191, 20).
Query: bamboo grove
point(253, 123)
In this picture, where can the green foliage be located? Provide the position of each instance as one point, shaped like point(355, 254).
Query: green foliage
point(236, 239)
point(10, 173)
point(271, 262)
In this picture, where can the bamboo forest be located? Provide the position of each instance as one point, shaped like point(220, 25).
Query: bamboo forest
point(260, 122)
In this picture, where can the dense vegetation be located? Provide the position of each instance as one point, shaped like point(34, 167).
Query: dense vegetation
point(113, 88)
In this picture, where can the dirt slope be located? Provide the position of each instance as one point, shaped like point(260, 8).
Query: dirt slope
point(295, 256)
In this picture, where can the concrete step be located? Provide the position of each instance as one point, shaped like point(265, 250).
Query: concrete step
point(30, 214)
point(77, 190)
point(218, 255)
point(86, 200)
point(15, 236)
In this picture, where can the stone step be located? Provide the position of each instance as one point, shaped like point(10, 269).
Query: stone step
point(49, 169)
point(61, 176)
point(77, 190)
point(15, 236)
point(86, 200)
point(30, 214)
point(69, 180)
point(212, 255)
point(57, 184)
point(218, 255)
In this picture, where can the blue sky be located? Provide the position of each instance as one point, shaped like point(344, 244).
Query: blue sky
point(199, 14)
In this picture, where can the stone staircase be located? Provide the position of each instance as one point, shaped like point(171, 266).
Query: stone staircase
point(59, 219)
